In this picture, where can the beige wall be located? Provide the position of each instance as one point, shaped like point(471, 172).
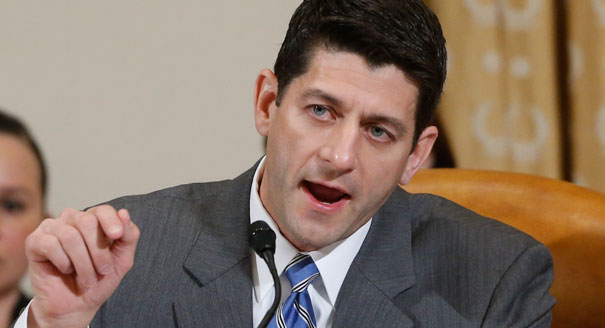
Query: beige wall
point(131, 96)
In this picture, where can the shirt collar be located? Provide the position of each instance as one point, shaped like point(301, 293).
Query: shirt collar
point(332, 261)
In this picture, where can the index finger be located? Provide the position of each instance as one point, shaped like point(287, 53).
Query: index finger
point(109, 221)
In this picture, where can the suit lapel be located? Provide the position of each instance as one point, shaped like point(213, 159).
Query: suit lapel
point(220, 264)
point(383, 269)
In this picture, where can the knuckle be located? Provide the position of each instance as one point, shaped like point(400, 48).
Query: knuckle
point(105, 208)
point(49, 221)
point(64, 267)
point(87, 222)
point(69, 236)
point(70, 216)
point(66, 212)
point(43, 244)
point(32, 240)
point(46, 223)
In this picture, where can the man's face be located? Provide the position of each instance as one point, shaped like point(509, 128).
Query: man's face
point(337, 146)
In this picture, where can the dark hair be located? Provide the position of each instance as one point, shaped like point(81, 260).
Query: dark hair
point(405, 33)
point(12, 126)
point(442, 151)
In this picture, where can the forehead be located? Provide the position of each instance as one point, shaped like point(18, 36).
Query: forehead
point(18, 165)
point(350, 79)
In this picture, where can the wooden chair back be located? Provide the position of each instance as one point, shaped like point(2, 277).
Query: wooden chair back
point(568, 219)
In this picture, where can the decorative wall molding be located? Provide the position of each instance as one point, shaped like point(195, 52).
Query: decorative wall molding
point(599, 9)
point(514, 19)
point(525, 151)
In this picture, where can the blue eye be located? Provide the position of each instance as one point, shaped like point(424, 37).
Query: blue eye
point(319, 110)
point(377, 131)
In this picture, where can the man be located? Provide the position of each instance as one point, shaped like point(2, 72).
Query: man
point(346, 114)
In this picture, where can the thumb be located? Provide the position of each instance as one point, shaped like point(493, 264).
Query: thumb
point(123, 249)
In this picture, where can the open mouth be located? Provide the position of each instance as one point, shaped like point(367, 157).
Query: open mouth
point(325, 194)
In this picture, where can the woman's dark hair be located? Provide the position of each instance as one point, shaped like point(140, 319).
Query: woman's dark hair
point(12, 126)
point(405, 33)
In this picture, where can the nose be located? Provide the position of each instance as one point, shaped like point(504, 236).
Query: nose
point(340, 149)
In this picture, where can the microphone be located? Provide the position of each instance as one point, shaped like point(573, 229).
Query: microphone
point(262, 240)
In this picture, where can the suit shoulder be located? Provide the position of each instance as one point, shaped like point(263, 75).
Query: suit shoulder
point(435, 212)
point(193, 192)
point(184, 192)
point(460, 255)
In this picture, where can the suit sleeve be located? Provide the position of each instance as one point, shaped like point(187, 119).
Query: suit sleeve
point(521, 297)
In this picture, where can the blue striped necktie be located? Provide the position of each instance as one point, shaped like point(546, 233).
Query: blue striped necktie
point(297, 311)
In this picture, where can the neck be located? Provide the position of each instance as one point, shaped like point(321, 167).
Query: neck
point(8, 300)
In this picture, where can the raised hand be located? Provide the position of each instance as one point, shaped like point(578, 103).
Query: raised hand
point(76, 261)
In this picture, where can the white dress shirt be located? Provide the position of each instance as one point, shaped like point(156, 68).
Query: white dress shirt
point(332, 261)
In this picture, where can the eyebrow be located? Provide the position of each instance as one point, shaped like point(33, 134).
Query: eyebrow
point(317, 93)
point(10, 190)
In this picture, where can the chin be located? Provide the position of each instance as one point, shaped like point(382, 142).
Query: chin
point(311, 245)
point(313, 238)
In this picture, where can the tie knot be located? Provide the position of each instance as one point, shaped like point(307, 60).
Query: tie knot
point(301, 271)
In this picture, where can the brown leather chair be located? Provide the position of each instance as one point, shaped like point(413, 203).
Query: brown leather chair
point(568, 219)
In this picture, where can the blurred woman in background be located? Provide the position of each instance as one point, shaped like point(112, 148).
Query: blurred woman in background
point(22, 194)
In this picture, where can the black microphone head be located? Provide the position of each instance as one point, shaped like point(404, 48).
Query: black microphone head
point(261, 238)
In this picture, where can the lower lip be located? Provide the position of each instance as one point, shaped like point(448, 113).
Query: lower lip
point(326, 208)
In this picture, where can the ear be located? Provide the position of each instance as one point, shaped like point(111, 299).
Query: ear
point(421, 152)
point(265, 94)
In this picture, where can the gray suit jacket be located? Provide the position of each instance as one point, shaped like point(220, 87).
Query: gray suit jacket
point(426, 262)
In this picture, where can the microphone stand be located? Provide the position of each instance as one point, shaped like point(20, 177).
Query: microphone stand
point(262, 240)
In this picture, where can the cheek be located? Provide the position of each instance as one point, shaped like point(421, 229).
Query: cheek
point(295, 131)
point(383, 170)
point(14, 232)
point(12, 253)
point(291, 138)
